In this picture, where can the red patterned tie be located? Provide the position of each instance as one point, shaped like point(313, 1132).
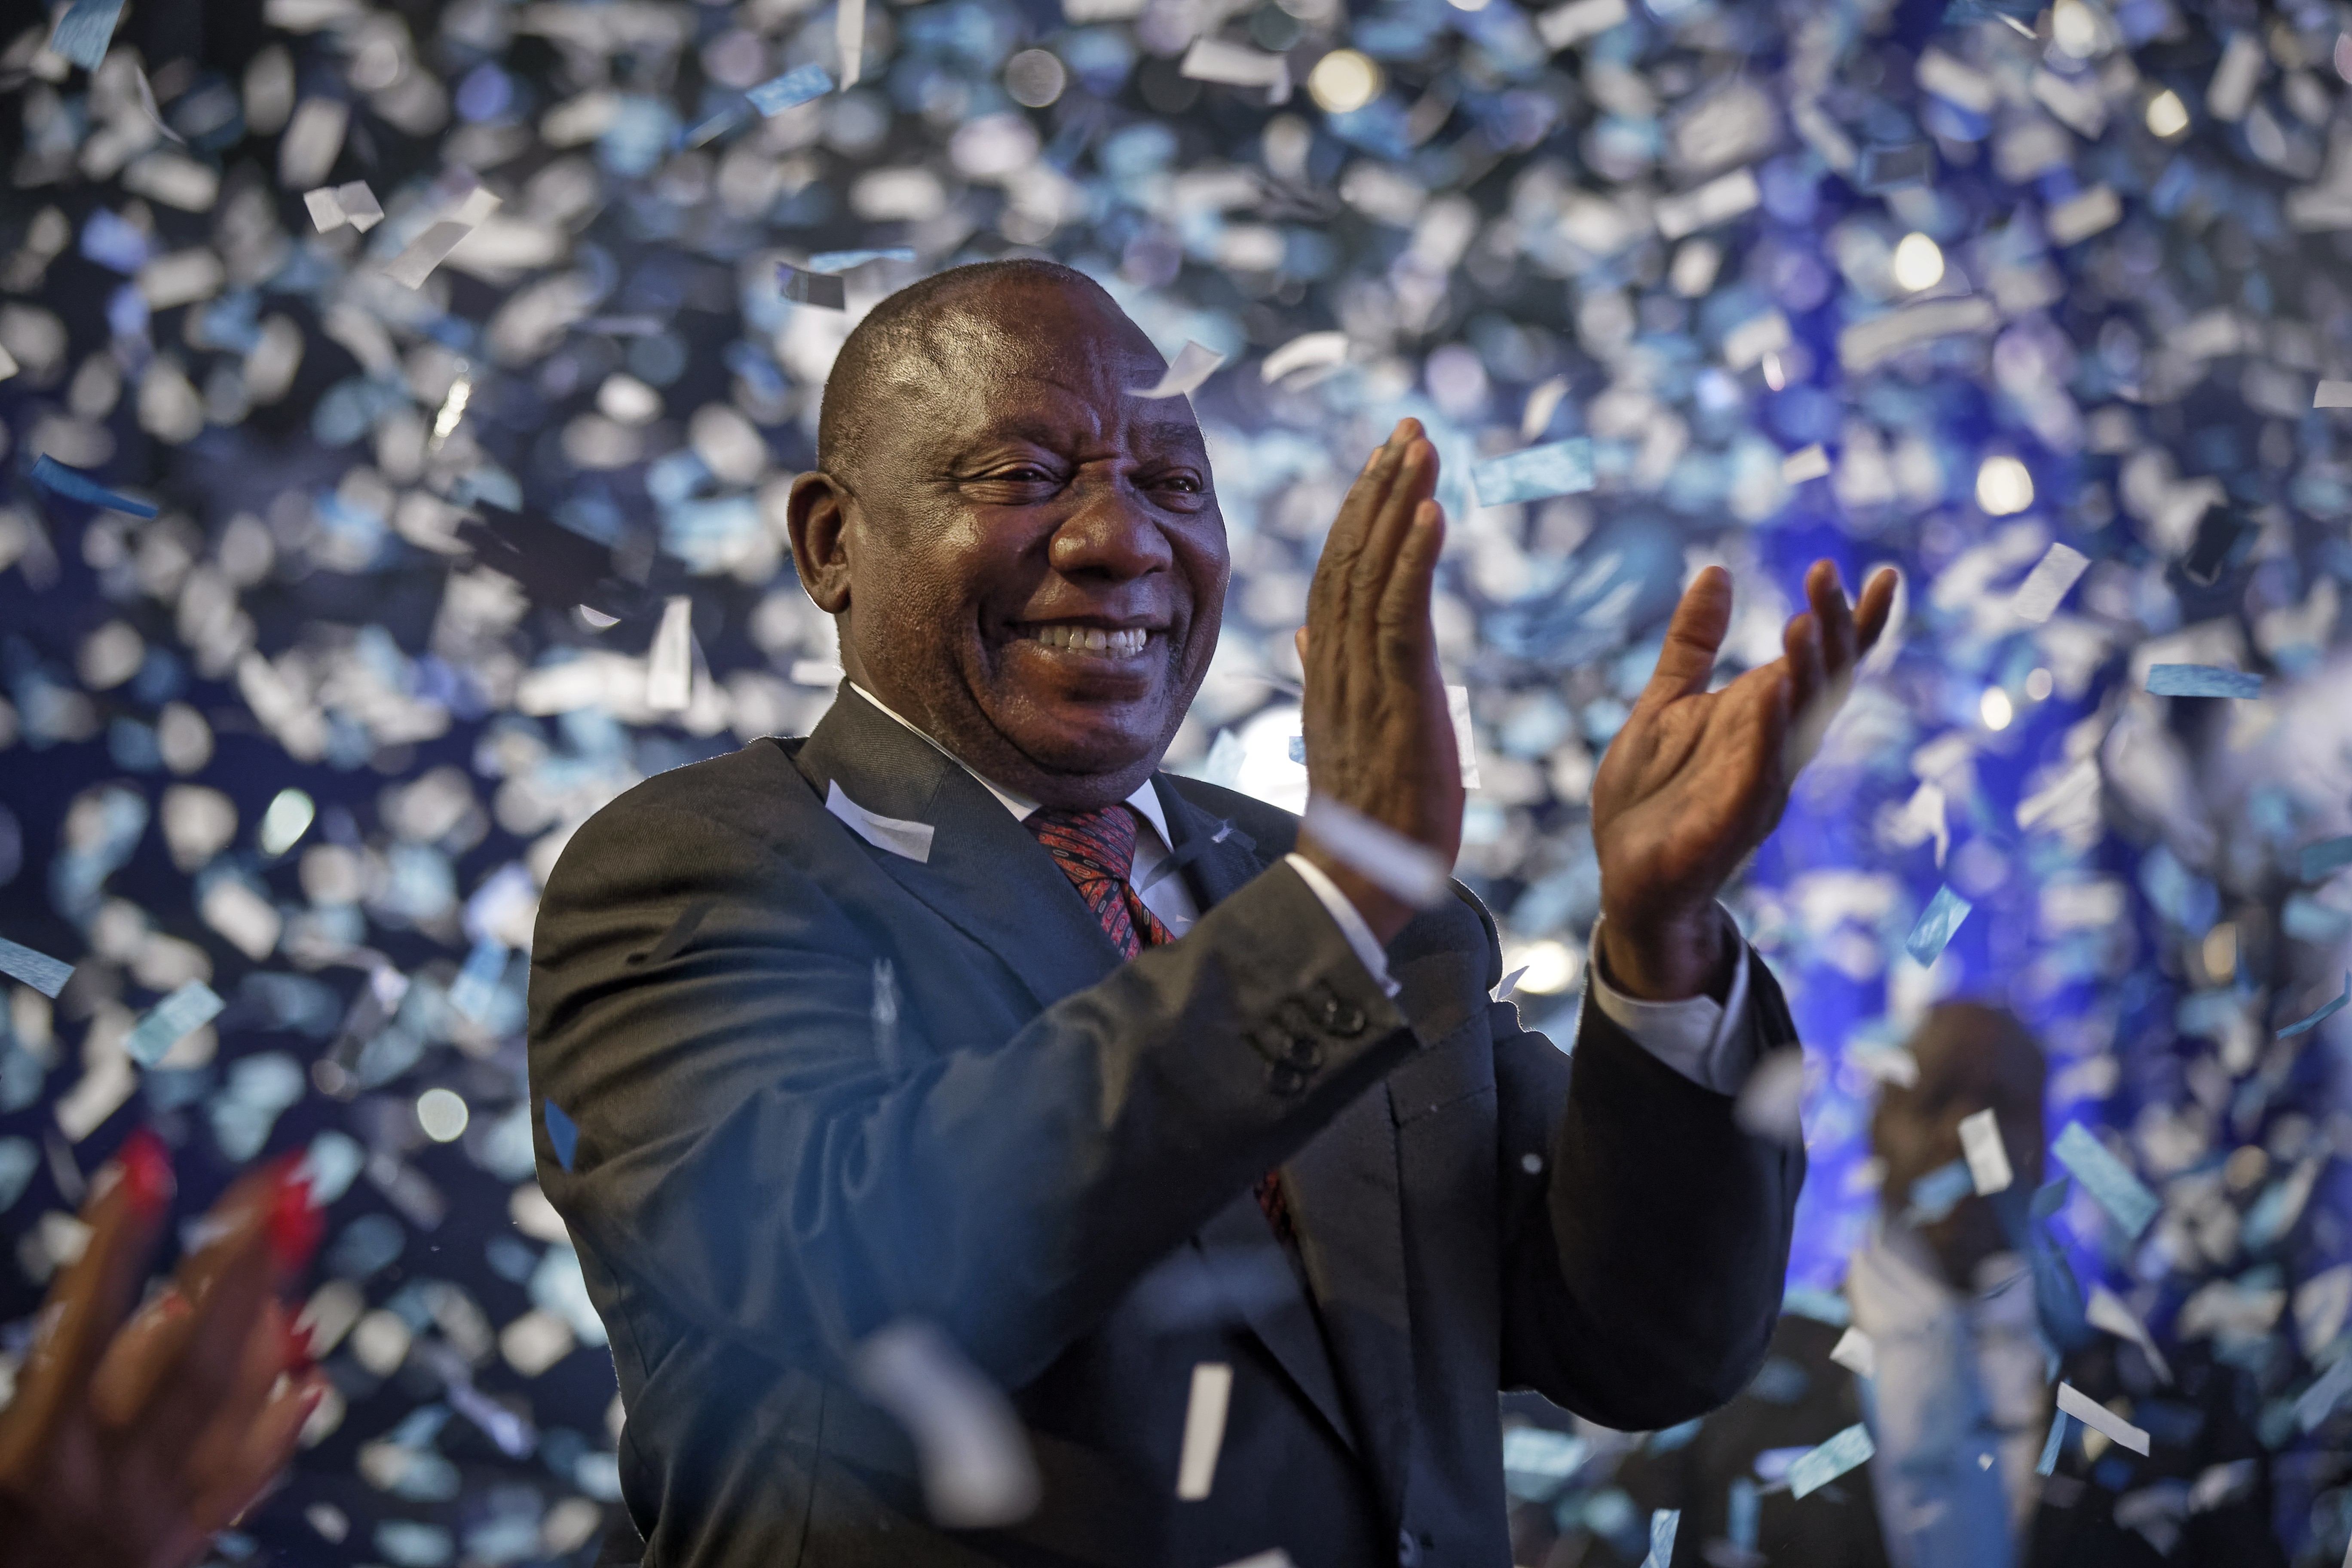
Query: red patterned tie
point(1096, 850)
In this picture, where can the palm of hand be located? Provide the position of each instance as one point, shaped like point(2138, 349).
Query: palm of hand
point(1688, 787)
point(1696, 778)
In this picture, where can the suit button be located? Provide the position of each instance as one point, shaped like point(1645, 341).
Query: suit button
point(1339, 1017)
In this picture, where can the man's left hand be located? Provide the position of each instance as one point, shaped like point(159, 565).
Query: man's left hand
point(1696, 779)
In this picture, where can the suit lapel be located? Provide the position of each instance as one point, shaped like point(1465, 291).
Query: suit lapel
point(986, 876)
point(1262, 1288)
point(1346, 1203)
point(1345, 1199)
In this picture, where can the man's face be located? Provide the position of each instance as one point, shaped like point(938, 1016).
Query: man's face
point(1033, 558)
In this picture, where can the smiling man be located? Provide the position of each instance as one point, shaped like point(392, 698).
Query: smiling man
point(960, 1011)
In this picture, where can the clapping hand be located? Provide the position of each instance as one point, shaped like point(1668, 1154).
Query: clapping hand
point(1696, 779)
point(130, 1443)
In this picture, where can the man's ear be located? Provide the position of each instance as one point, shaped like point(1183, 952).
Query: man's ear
point(816, 515)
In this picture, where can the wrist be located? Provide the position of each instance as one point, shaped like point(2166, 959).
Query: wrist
point(1383, 913)
point(1664, 959)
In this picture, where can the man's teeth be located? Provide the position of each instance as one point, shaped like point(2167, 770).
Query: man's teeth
point(1093, 639)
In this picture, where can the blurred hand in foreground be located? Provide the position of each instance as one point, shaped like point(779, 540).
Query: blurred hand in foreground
point(134, 1437)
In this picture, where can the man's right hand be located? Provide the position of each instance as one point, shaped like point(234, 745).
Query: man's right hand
point(1380, 739)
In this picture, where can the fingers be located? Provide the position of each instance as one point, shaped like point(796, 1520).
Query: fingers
point(226, 1283)
point(1350, 530)
point(1687, 661)
point(1877, 609)
point(264, 1447)
point(1833, 614)
point(90, 1299)
point(1403, 612)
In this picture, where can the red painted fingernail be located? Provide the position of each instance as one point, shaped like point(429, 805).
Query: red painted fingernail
point(146, 1174)
point(295, 1225)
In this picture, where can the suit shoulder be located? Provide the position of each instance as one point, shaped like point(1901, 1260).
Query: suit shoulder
point(754, 792)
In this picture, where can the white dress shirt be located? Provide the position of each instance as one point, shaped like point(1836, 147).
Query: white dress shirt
point(1708, 1042)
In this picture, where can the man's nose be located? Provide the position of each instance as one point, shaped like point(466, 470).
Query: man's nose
point(1113, 533)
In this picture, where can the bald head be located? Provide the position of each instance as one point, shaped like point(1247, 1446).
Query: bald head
point(906, 349)
point(1022, 558)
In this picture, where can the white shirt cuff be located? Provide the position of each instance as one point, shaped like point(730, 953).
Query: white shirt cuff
point(1351, 924)
point(1711, 1042)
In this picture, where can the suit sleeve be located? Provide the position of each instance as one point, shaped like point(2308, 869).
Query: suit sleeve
point(702, 1012)
point(1643, 1258)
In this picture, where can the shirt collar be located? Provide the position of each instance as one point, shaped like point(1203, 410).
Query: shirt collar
point(1145, 800)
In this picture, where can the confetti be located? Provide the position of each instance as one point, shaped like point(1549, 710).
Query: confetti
point(185, 1010)
point(823, 291)
point(562, 1133)
point(2108, 1181)
point(75, 485)
point(2318, 1402)
point(976, 1466)
point(912, 840)
point(1855, 1352)
point(1809, 463)
point(2325, 857)
point(1935, 925)
point(1833, 1458)
point(1310, 350)
point(1204, 1429)
point(1557, 469)
point(2039, 597)
point(1663, 1522)
point(1396, 863)
point(1936, 1194)
point(2048, 1463)
point(1185, 373)
point(2099, 1418)
point(2200, 681)
point(38, 970)
point(2333, 394)
point(2105, 1310)
point(797, 86)
point(1987, 1158)
point(2325, 1011)
point(84, 31)
point(669, 666)
point(844, 260)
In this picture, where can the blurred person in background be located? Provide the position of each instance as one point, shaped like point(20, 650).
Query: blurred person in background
point(1968, 1313)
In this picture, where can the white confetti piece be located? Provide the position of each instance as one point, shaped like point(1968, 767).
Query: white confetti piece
point(1771, 1102)
point(1204, 1429)
point(2038, 597)
point(976, 1466)
point(1987, 1158)
point(1856, 1353)
point(849, 39)
point(669, 666)
point(1190, 367)
point(2101, 1419)
point(912, 840)
point(1412, 872)
point(1310, 350)
point(1465, 733)
point(2106, 1311)
point(1807, 463)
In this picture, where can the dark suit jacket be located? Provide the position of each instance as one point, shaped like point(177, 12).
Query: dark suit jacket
point(1051, 1156)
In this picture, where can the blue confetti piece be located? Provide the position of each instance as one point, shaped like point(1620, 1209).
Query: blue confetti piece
point(1821, 1306)
point(38, 970)
point(85, 30)
point(2315, 1404)
point(2200, 681)
point(2049, 1197)
point(842, 260)
point(716, 125)
point(562, 1133)
point(170, 1021)
point(1938, 921)
point(2328, 855)
point(1663, 1522)
point(2049, 1461)
point(1833, 1458)
point(796, 86)
point(1937, 1193)
point(803, 287)
point(75, 485)
point(2107, 1179)
point(2327, 1011)
point(1743, 1510)
point(1557, 469)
